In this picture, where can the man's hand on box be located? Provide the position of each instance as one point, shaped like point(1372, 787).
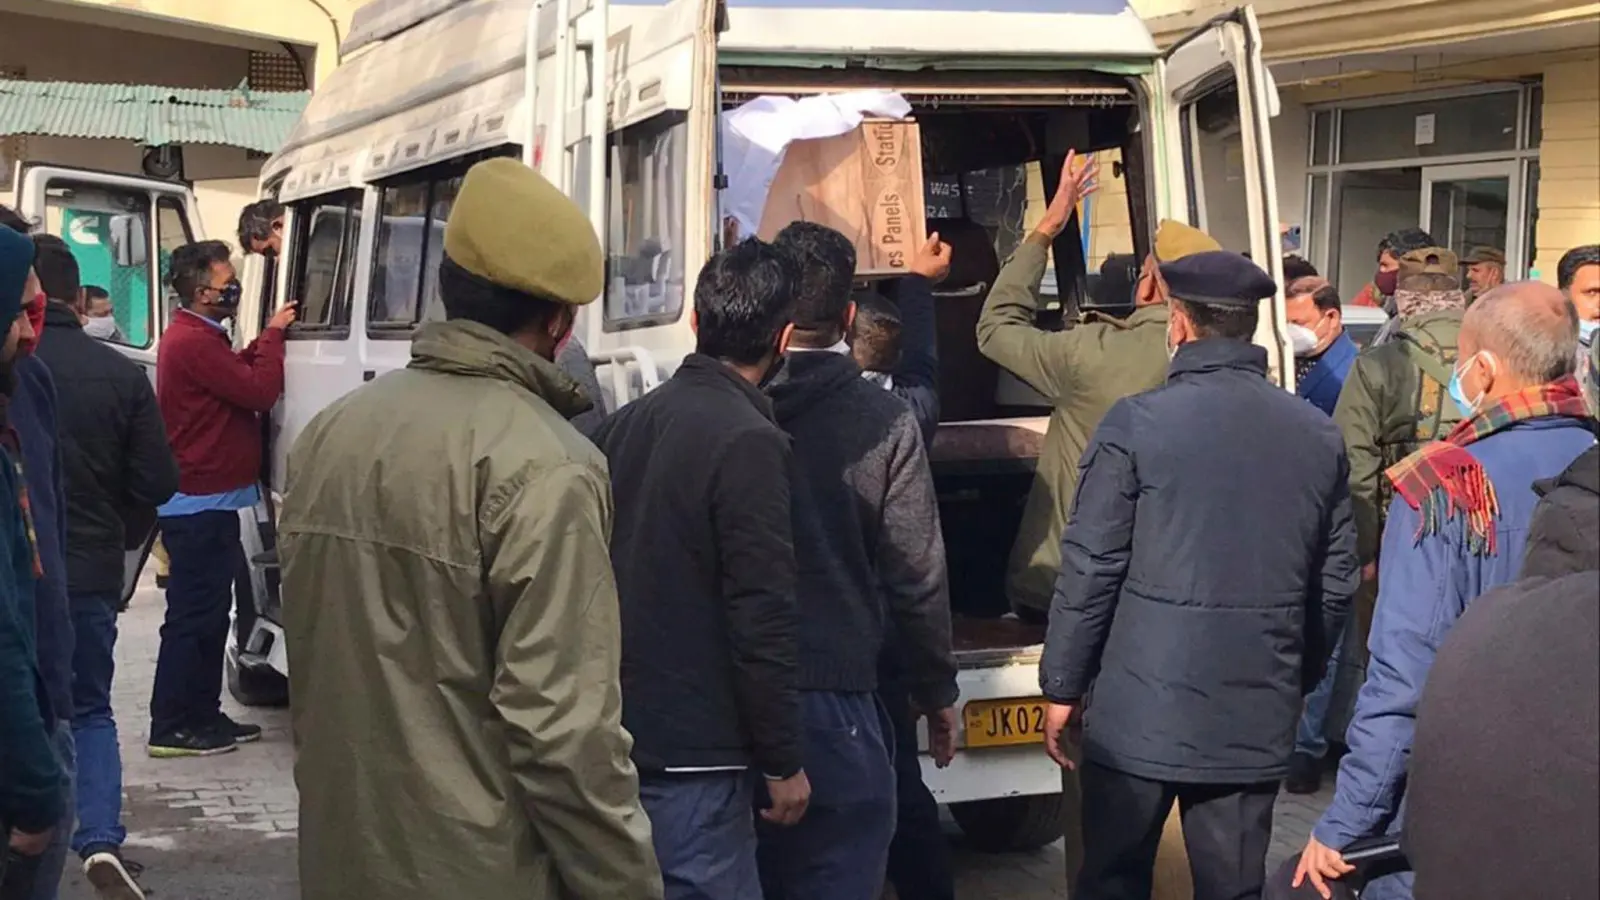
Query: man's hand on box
point(932, 259)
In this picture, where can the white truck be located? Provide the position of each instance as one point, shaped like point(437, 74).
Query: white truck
point(618, 104)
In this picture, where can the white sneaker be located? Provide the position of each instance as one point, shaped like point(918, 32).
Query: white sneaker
point(111, 878)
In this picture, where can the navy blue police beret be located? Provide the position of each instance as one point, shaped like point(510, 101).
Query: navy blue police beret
point(1217, 278)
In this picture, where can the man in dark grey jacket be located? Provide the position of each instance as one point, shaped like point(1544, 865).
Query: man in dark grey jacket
point(1209, 560)
point(867, 544)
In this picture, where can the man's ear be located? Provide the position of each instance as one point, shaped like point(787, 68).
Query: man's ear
point(694, 320)
point(849, 316)
point(784, 336)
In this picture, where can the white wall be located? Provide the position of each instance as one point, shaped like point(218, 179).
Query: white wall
point(1290, 144)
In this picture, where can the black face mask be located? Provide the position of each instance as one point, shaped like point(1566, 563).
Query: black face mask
point(229, 294)
point(269, 252)
point(772, 372)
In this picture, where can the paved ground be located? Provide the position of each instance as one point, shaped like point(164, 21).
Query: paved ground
point(224, 828)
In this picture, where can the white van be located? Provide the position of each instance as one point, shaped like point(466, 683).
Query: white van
point(428, 87)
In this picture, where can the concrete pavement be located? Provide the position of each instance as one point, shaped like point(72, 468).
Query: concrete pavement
point(224, 828)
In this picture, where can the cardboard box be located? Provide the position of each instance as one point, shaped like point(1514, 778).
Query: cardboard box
point(867, 184)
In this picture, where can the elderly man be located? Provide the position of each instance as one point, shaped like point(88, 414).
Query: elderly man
point(1486, 270)
point(261, 228)
point(455, 633)
point(1456, 529)
point(1234, 536)
point(1323, 353)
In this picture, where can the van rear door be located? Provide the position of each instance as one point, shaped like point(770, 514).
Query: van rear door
point(122, 230)
point(1219, 102)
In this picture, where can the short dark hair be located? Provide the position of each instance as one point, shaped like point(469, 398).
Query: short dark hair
point(11, 219)
point(93, 292)
point(476, 299)
point(1323, 295)
point(1573, 260)
point(57, 268)
point(827, 263)
point(875, 334)
point(743, 298)
point(1297, 267)
point(255, 221)
point(1214, 320)
point(1405, 240)
point(191, 267)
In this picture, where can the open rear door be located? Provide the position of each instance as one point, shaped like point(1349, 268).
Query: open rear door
point(122, 230)
point(1220, 100)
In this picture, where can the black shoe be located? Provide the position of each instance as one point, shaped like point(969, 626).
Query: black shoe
point(1305, 775)
point(241, 732)
point(113, 878)
point(191, 742)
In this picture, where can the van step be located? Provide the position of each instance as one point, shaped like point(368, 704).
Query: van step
point(248, 660)
point(267, 559)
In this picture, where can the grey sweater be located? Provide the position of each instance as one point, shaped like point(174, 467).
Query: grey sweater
point(866, 532)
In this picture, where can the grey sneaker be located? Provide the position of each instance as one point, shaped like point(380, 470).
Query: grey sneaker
point(112, 879)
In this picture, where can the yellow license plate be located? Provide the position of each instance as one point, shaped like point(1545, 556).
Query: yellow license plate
point(1001, 723)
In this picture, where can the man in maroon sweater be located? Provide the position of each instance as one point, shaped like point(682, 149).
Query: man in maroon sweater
point(212, 400)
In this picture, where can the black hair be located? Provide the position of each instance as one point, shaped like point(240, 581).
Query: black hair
point(1213, 320)
point(191, 267)
point(476, 299)
point(743, 298)
point(1323, 295)
point(57, 268)
point(1297, 267)
point(13, 220)
point(1573, 260)
point(255, 222)
point(93, 292)
point(1405, 240)
point(875, 334)
point(827, 263)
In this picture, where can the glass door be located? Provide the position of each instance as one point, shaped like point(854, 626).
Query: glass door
point(1475, 205)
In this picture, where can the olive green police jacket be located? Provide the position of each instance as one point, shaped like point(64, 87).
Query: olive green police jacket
point(1082, 371)
point(453, 639)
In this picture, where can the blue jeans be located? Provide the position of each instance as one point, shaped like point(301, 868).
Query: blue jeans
point(1310, 736)
point(47, 881)
point(94, 618)
point(704, 829)
point(205, 558)
point(840, 850)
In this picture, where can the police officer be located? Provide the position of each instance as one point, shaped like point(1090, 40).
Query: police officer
point(1208, 561)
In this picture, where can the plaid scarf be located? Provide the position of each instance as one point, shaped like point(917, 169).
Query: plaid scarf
point(1442, 480)
point(13, 447)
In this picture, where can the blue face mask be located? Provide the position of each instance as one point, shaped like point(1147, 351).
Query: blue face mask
point(1459, 394)
point(1586, 332)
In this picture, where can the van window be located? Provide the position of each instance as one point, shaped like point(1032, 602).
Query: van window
point(405, 280)
point(108, 231)
point(326, 230)
point(1214, 156)
point(646, 199)
point(172, 232)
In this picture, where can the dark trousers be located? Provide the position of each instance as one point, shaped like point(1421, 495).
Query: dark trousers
point(1226, 829)
point(704, 830)
point(205, 558)
point(919, 855)
point(840, 850)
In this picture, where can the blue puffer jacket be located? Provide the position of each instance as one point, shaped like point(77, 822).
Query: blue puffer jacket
point(1424, 585)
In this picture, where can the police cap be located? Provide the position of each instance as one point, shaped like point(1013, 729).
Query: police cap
point(1429, 261)
point(511, 227)
point(1218, 278)
point(1485, 255)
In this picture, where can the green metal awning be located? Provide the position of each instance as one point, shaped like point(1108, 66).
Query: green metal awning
point(150, 114)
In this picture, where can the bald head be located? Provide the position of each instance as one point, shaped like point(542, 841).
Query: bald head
point(1530, 329)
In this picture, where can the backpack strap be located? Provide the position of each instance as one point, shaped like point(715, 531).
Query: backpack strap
point(1431, 365)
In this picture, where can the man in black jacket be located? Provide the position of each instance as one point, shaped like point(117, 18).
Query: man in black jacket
point(705, 572)
point(117, 467)
point(1209, 560)
point(866, 538)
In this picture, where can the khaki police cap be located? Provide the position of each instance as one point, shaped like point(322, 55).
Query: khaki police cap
point(511, 227)
point(1485, 255)
point(1175, 240)
point(1429, 261)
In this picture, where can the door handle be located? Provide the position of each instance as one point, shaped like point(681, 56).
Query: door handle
point(368, 375)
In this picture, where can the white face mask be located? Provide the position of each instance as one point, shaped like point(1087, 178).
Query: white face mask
point(1586, 331)
point(101, 329)
point(1303, 340)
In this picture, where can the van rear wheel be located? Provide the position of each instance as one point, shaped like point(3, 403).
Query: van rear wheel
point(1010, 824)
point(255, 686)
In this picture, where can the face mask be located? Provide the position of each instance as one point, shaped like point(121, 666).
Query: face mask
point(1303, 339)
point(101, 329)
point(1586, 332)
point(1172, 346)
point(1387, 281)
point(1459, 394)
